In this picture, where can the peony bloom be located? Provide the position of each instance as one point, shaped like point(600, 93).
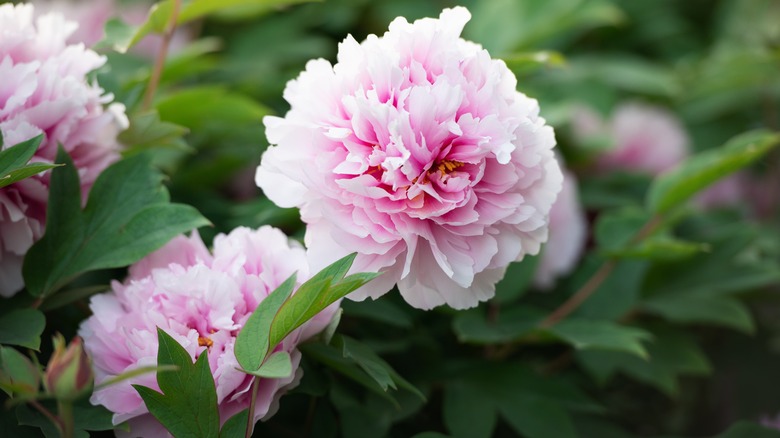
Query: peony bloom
point(202, 301)
point(44, 91)
point(643, 138)
point(416, 151)
point(568, 235)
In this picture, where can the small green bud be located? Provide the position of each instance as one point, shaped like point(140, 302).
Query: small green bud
point(69, 372)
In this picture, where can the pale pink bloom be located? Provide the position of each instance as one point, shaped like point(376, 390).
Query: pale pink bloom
point(416, 151)
point(568, 235)
point(199, 299)
point(92, 16)
point(642, 137)
point(43, 89)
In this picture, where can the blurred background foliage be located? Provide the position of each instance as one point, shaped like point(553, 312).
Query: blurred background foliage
point(672, 344)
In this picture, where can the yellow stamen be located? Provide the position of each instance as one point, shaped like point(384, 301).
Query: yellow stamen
point(205, 342)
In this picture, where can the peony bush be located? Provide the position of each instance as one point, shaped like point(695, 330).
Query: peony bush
point(564, 214)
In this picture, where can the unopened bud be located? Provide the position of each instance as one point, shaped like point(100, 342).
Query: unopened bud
point(69, 372)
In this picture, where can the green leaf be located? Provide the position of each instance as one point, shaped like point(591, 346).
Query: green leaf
point(333, 358)
point(117, 35)
point(22, 327)
point(319, 292)
point(722, 311)
point(468, 413)
point(160, 14)
point(186, 107)
point(13, 162)
point(18, 155)
point(664, 248)
point(538, 419)
point(367, 360)
point(18, 376)
point(585, 334)
point(381, 310)
point(235, 427)
point(616, 229)
point(472, 326)
point(127, 217)
point(517, 280)
point(699, 171)
point(252, 342)
point(85, 418)
point(673, 354)
point(187, 405)
point(147, 131)
point(277, 365)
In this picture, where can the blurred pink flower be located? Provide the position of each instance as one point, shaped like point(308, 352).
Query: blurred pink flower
point(568, 235)
point(202, 301)
point(416, 151)
point(92, 16)
point(643, 138)
point(44, 90)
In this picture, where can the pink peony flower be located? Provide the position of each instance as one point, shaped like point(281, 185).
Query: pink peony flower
point(644, 138)
point(416, 151)
point(44, 90)
point(568, 235)
point(202, 301)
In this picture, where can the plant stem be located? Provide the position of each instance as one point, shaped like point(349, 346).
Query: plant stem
point(162, 54)
point(65, 412)
point(53, 418)
point(251, 414)
point(593, 283)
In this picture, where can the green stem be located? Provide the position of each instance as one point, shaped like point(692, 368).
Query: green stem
point(162, 55)
point(251, 414)
point(594, 282)
point(65, 412)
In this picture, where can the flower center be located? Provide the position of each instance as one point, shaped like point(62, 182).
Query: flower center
point(447, 166)
point(205, 342)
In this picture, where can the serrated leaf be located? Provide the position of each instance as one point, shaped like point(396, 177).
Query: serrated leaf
point(699, 171)
point(160, 14)
point(22, 327)
point(252, 342)
point(127, 217)
point(276, 366)
point(187, 405)
point(584, 334)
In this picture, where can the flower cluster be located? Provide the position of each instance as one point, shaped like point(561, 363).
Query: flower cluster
point(202, 300)
point(416, 151)
point(44, 90)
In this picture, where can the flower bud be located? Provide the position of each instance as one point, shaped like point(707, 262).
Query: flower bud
point(69, 372)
